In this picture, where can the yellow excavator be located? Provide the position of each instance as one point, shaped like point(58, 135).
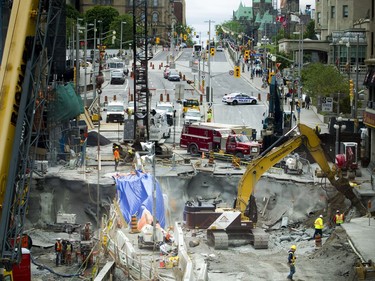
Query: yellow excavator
point(239, 223)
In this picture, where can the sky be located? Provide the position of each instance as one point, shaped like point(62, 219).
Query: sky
point(200, 12)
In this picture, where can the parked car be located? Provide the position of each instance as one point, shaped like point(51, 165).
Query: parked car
point(219, 49)
point(117, 76)
point(174, 75)
point(239, 98)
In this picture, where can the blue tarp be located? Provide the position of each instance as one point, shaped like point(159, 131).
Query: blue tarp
point(135, 194)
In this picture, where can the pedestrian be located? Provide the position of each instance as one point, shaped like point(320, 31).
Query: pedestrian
point(307, 102)
point(63, 252)
point(58, 251)
point(291, 261)
point(116, 155)
point(318, 224)
point(338, 218)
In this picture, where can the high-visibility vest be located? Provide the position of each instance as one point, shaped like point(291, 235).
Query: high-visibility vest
point(292, 258)
point(318, 224)
point(58, 247)
point(116, 154)
point(339, 218)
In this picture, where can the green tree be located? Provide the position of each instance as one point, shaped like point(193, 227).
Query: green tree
point(71, 18)
point(321, 80)
point(126, 21)
point(104, 16)
point(310, 31)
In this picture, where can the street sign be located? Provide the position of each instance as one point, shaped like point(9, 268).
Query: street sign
point(327, 104)
point(231, 72)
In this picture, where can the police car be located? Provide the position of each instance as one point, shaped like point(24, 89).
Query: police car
point(239, 98)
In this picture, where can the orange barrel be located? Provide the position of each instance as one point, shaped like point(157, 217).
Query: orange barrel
point(318, 241)
point(161, 97)
point(133, 224)
point(168, 98)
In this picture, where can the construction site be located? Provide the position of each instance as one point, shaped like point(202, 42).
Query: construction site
point(227, 203)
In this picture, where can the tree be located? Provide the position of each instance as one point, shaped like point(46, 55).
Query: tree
point(127, 30)
point(71, 18)
point(310, 31)
point(103, 15)
point(321, 80)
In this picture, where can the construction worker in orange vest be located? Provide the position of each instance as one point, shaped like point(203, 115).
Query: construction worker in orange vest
point(318, 224)
point(338, 218)
point(58, 250)
point(116, 155)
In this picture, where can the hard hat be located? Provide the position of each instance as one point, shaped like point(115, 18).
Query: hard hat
point(58, 239)
point(320, 216)
point(337, 211)
point(293, 247)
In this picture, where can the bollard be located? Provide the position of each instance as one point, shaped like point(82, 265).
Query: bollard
point(153, 66)
point(259, 97)
point(180, 74)
point(159, 66)
point(318, 241)
point(114, 97)
point(183, 77)
point(106, 99)
point(161, 97)
point(150, 63)
point(201, 99)
point(131, 97)
point(167, 97)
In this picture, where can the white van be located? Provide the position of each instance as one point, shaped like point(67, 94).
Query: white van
point(115, 112)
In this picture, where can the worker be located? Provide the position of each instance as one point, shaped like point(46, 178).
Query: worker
point(318, 224)
point(58, 251)
point(338, 218)
point(68, 253)
point(116, 155)
point(209, 115)
point(292, 261)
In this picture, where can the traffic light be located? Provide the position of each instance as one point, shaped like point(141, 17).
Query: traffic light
point(247, 54)
point(351, 88)
point(157, 40)
point(237, 72)
point(185, 37)
point(212, 52)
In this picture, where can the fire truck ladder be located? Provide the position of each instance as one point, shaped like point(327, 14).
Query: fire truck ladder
point(140, 54)
point(36, 72)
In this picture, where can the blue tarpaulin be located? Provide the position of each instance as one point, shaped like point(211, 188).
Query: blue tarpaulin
point(135, 194)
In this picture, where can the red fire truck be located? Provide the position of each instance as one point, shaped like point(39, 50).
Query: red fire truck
point(206, 137)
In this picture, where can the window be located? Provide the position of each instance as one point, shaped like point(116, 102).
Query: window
point(155, 17)
point(345, 11)
point(155, 3)
point(333, 11)
point(318, 17)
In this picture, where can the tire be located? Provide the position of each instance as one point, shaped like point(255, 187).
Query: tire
point(253, 102)
point(239, 155)
point(234, 102)
point(193, 149)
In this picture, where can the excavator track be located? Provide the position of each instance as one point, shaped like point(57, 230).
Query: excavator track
point(217, 239)
point(260, 238)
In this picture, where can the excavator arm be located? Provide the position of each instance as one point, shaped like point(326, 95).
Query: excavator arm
point(305, 135)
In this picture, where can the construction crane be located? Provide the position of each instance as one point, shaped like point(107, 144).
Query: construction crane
point(140, 72)
point(24, 75)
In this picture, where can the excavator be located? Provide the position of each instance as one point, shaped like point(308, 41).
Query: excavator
point(24, 76)
point(224, 224)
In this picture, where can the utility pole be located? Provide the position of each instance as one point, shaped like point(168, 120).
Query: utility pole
point(94, 64)
point(85, 66)
point(209, 92)
point(77, 57)
point(356, 87)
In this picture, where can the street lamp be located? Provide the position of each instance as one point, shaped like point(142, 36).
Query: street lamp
point(123, 22)
point(338, 126)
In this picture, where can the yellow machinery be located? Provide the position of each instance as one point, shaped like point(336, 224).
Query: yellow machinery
point(24, 74)
point(239, 223)
point(190, 103)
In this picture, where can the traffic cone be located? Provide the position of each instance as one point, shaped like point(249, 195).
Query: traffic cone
point(133, 224)
point(161, 261)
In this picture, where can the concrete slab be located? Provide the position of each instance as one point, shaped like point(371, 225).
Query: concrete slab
point(361, 234)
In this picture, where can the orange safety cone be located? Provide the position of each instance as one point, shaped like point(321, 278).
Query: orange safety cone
point(161, 261)
point(161, 97)
point(133, 224)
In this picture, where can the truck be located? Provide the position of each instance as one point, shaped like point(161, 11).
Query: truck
point(205, 137)
point(24, 80)
point(238, 223)
point(115, 112)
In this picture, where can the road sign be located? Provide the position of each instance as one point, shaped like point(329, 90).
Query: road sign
point(327, 104)
point(231, 72)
